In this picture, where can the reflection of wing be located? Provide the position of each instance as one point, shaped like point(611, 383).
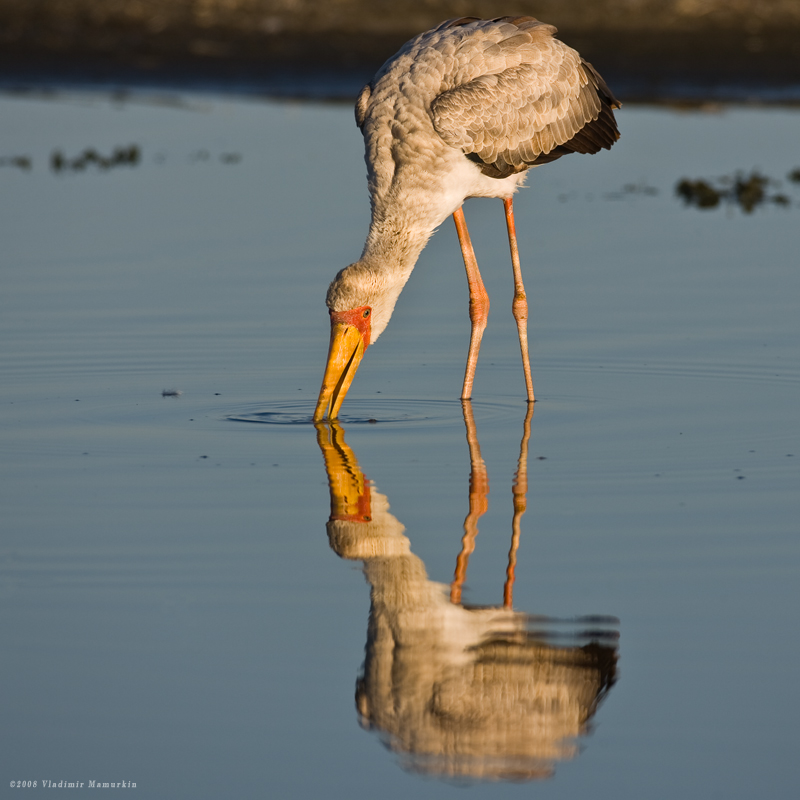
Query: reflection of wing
point(524, 99)
point(510, 711)
point(468, 692)
point(455, 691)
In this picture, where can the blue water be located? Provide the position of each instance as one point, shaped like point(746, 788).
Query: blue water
point(177, 612)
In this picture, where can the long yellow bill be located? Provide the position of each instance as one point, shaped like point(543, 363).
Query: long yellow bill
point(344, 355)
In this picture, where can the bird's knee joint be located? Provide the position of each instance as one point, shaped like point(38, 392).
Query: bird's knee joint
point(519, 307)
point(478, 309)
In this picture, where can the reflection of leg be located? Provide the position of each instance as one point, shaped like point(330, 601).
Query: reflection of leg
point(519, 488)
point(478, 502)
point(519, 306)
point(478, 302)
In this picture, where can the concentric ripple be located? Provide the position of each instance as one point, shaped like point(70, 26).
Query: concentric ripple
point(394, 412)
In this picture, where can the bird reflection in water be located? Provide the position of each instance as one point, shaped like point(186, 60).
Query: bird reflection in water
point(461, 692)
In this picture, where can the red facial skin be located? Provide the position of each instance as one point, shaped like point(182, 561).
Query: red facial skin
point(360, 318)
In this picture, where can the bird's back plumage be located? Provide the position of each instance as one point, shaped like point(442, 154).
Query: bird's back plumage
point(505, 92)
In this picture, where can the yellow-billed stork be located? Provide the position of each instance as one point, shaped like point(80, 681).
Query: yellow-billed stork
point(463, 110)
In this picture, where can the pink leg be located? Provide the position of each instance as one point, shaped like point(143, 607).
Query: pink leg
point(519, 306)
point(478, 302)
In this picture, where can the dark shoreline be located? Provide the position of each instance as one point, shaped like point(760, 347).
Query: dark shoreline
point(655, 59)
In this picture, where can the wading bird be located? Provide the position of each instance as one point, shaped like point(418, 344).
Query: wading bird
point(463, 110)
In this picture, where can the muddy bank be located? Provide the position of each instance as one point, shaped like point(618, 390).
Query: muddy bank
point(691, 50)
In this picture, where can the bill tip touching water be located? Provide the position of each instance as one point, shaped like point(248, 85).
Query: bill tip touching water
point(462, 110)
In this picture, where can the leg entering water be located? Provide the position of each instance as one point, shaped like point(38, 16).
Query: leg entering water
point(519, 306)
point(478, 302)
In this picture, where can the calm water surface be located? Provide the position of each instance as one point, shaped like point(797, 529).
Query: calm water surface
point(600, 599)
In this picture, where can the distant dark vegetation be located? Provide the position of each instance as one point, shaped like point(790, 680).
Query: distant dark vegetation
point(746, 191)
point(121, 156)
point(675, 50)
point(92, 160)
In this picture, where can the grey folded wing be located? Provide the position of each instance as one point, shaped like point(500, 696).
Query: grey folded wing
point(547, 103)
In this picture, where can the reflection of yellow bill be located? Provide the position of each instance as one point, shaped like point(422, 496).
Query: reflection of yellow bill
point(350, 492)
point(344, 355)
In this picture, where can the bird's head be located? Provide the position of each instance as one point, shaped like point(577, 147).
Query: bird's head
point(360, 302)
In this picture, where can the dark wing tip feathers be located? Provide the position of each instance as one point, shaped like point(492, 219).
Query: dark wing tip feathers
point(601, 86)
